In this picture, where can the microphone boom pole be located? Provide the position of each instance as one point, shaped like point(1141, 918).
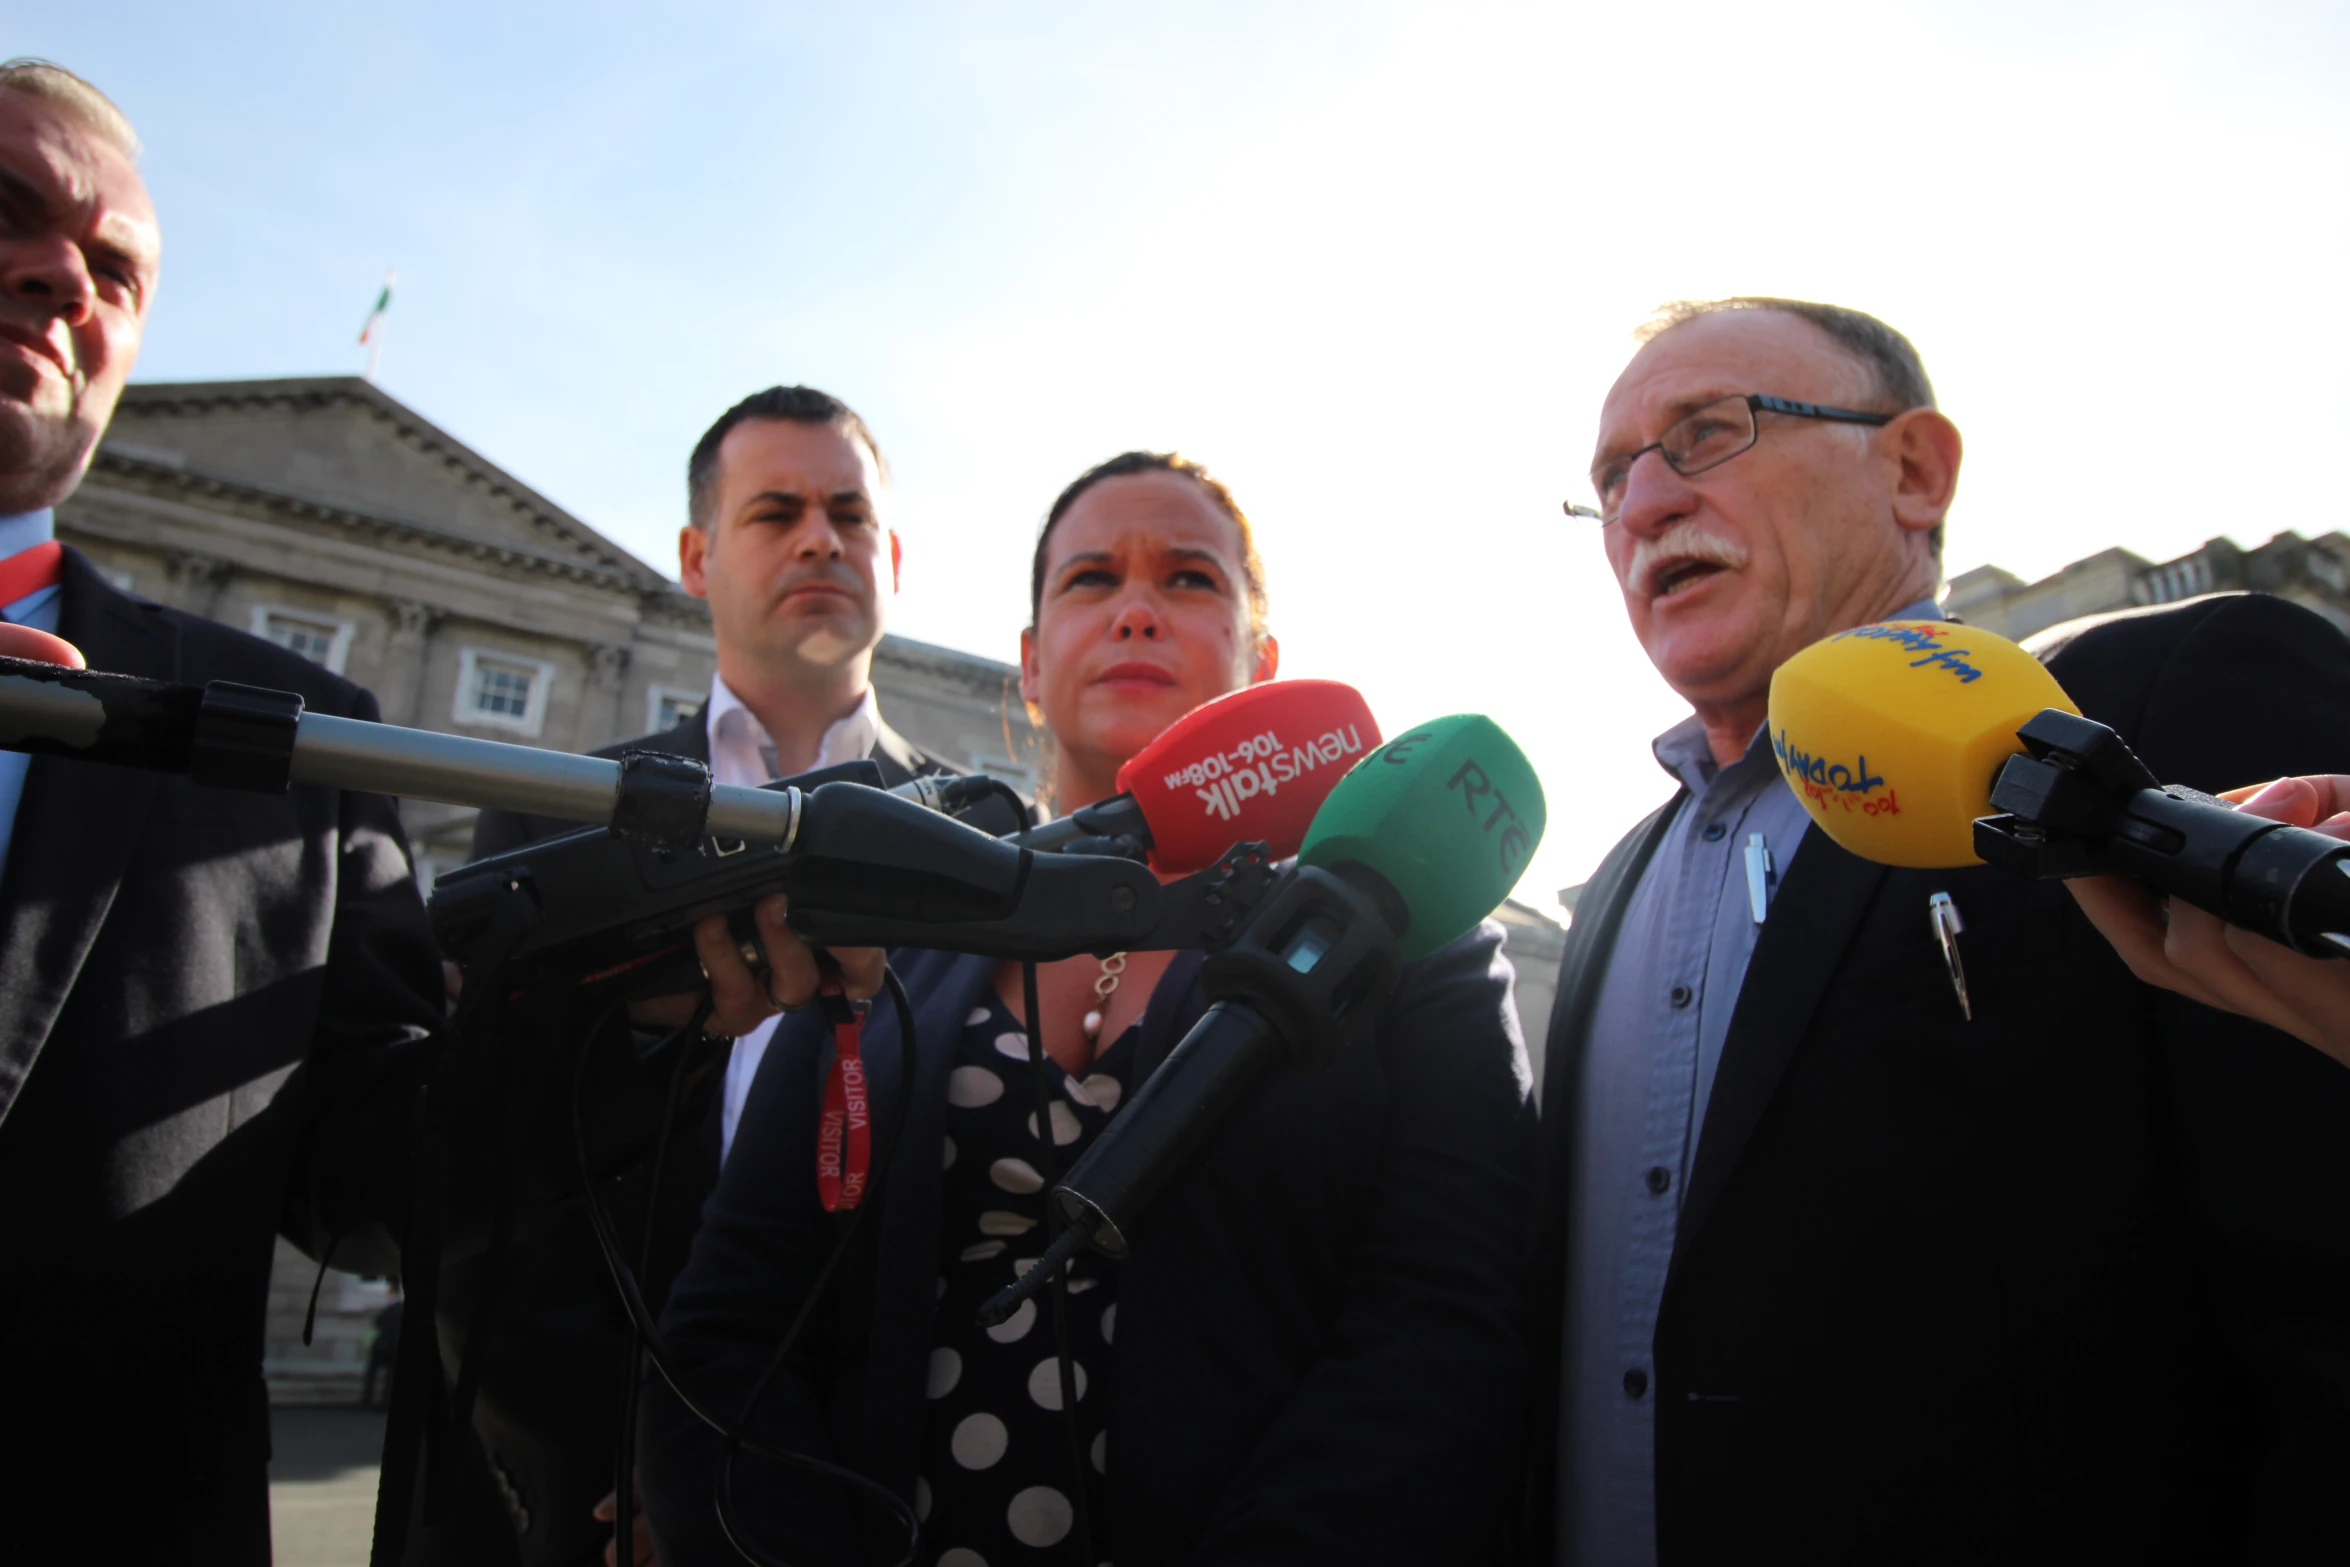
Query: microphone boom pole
point(250, 738)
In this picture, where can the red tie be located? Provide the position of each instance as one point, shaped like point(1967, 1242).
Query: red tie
point(29, 571)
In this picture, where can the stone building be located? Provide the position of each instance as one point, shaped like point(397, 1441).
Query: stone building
point(324, 515)
point(2314, 573)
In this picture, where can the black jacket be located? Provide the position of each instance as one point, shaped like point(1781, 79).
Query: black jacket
point(2070, 1282)
point(547, 1415)
point(212, 1014)
point(1318, 1356)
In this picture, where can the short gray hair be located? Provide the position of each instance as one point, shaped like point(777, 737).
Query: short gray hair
point(1897, 375)
point(58, 87)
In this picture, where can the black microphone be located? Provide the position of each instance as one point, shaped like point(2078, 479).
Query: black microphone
point(2079, 802)
point(1313, 952)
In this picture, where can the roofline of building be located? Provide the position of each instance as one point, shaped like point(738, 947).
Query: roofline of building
point(155, 467)
point(319, 391)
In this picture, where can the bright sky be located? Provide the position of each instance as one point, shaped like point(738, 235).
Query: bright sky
point(1376, 264)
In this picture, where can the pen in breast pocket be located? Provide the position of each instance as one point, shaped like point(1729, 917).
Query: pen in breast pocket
point(1759, 876)
point(1947, 925)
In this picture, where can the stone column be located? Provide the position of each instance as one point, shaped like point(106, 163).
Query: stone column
point(608, 664)
point(401, 691)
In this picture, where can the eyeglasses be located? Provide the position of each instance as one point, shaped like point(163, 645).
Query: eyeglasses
point(1705, 439)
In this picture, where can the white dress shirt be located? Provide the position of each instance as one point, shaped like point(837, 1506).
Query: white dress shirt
point(742, 753)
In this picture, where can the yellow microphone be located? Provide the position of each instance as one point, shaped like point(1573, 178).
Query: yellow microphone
point(1892, 734)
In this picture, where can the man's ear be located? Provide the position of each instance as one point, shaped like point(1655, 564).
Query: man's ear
point(1029, 688)
point(1926, 451)
point(897, 560)
point(693, 560)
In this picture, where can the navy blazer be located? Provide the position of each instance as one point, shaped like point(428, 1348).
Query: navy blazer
point(1319, 1353)
point(214, 1009)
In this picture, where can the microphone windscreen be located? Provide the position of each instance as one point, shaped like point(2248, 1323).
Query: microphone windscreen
point(1253, 764)
point(1892, 734)
point(1447, 814)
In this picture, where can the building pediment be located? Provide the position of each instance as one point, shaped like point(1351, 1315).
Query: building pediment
point(339, 444)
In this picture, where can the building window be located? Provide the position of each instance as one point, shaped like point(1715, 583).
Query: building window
point(2181, 579)
point(667, 706)
point(501, 691)
point(322, 639)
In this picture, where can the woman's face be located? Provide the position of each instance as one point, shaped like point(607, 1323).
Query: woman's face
point(1144, 617)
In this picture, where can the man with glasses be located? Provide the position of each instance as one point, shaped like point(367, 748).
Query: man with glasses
point(1826, 1267)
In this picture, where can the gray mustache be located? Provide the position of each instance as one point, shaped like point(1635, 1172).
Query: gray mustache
point(1682, 541)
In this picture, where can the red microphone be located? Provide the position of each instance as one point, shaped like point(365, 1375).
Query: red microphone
point(1253, 765)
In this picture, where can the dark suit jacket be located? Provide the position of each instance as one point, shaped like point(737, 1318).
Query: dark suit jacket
point(557, 1346)
point(1318, 1355)
point(2070, 1282)
point(212, 1014)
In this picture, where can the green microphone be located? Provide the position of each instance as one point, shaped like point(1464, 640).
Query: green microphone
point(1445, 817)
point(1420, 841)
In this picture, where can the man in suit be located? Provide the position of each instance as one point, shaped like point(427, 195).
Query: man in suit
point(213, 1005)
point(786, 538)
point(1824, 1269)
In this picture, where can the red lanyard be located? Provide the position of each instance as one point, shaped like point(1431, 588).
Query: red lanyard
point(844, 1134)
point(30, 570)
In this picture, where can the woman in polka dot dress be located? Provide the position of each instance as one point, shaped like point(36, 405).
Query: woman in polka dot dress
point(996, 1481)
point(1313, 1353)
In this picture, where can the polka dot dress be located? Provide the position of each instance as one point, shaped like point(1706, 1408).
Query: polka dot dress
point(996, 1472)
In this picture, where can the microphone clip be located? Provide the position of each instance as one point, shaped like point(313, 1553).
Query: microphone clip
point(1314, 952)
point(2064, 798)
point(1229, 890)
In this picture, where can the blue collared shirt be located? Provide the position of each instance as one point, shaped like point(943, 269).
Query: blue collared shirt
point(37, 609)
point(1657, 1030)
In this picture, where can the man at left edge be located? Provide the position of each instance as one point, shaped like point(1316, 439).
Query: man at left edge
point(214, 1006)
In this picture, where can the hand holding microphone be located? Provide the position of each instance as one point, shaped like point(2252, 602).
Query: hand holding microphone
point(2180, 947)
point(1252, 765)
point(1930, 743)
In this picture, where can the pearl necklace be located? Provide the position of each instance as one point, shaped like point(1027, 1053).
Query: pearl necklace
point(1105, 986)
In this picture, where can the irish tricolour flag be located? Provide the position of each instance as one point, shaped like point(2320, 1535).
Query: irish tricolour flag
point(371, 336)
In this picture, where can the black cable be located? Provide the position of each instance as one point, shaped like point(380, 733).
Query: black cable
point(970, 788)
point(624, 1462)
point(657, 1347)
point(735, 1441)
point(1041, 1069)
